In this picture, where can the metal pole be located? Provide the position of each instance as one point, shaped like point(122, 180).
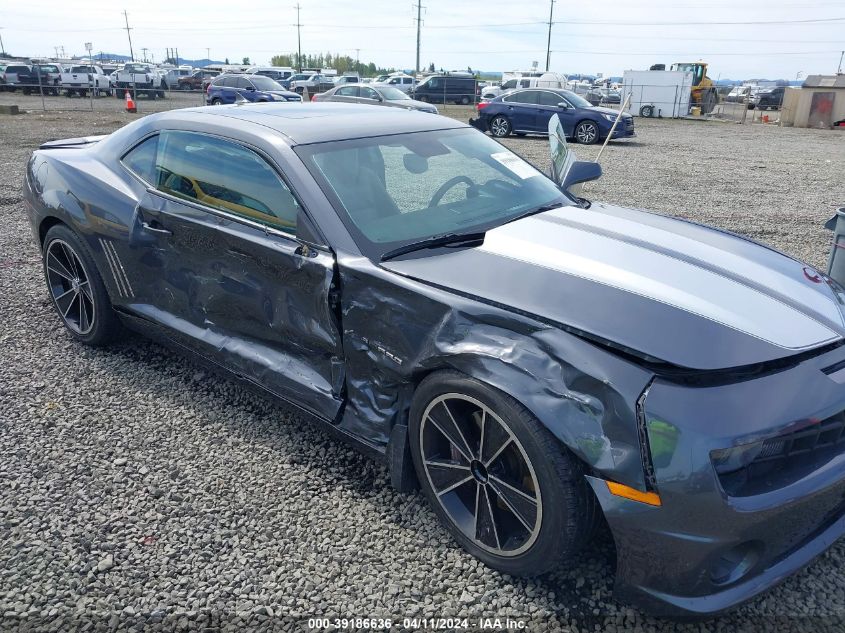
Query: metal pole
point(838, 70)
point(549, 41)
point(419, 22)
point(298, 40)
point(613, 127)
point(129, 35)
point(3, 48)
point(208, 55)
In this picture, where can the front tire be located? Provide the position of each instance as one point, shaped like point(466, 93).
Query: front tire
point(500, 126)
point(216, 101)
point(500, 482)
point(76, 288)
point(587, 132)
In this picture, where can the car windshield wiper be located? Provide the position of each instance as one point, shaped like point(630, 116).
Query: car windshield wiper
point(433, 242)
point(541, 209)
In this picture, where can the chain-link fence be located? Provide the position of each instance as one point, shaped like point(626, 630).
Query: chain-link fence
point(56, 97)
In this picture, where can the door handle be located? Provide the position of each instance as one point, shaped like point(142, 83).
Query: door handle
point(153, 229)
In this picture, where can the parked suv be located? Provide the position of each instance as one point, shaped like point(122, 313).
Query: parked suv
point(447, 88)
point(17, 76)
point(313, 82)
point(528, 112)
point(279, 75)
point(768, 98)
point(197, 80)
point(225, 88)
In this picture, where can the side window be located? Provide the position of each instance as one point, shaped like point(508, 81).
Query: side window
point(509, 84)
point(224, 175)
point(368, 93)
point(525, 83)
point(435, 84)
point(550, 98)
point(525, 97)
point(243, 83)
point(141, 159)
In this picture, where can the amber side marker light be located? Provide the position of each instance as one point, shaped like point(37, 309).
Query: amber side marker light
point(621, 490)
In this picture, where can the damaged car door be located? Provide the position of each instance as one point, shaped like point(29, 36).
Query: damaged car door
point(226, 275)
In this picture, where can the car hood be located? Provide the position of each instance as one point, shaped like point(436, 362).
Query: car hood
point(603, 110)
point(667, 289)
point(412, 104)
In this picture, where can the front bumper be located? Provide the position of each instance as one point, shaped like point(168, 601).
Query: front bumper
point(703, 551)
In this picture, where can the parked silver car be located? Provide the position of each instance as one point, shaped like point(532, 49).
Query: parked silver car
point(374, 95)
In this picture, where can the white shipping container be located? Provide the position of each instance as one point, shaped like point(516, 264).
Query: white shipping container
point(664, 93)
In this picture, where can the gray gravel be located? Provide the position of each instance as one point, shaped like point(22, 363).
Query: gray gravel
point(135, 489)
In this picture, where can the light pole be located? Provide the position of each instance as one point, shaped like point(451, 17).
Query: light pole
point(549, 41)
point(2, 48)
point(298, 40)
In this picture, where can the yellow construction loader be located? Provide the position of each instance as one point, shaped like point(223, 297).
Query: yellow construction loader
point(704, 92)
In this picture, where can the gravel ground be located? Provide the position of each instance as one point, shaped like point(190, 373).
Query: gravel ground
point(136, 490)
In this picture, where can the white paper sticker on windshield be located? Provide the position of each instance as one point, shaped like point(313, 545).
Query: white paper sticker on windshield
point(516, 165)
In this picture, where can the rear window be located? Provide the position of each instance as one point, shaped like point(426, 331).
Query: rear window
point(49, 68)
point(17, 69)
point(141, 159)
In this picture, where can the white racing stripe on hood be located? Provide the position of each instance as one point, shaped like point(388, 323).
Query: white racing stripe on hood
point(785, 285)
point(660, 277)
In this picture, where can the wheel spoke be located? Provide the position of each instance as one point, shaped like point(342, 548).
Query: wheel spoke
point(85, 287)
point(444, 474)
point(457, 484)
point(64, 294)
point(83, 314)
point(452, 432)
point(485, 522)
point(494, 440)
point(54, 265)
point(522, 507)
point(69, 305)
point(71, 260)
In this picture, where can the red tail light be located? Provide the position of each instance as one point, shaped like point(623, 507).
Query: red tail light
point(481, 105)
point(208, 90)
point(313, 97)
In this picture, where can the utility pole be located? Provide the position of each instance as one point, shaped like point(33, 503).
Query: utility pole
point(129, 35)
point(298, 40)
point(208, 54)
point(56, 48)
point(549, 41)
point(357, 60)
point(839, 70)
point(2, 48)
point(144, 51)
point(419, 22)
point(177, 57)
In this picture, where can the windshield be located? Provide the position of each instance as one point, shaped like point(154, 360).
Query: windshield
point(395, 190)
point(265, 83)
point(299, 77)
point(136, 68)
point(392, 94)
point(576, 100)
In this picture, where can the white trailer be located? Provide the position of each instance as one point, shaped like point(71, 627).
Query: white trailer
point(657, 93)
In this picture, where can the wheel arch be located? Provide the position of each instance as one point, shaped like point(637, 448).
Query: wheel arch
point(46, 224)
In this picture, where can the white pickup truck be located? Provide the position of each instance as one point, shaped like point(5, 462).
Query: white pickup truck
point(80, 79)
point(142, 79)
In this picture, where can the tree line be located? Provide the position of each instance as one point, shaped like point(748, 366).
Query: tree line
point(341, 63)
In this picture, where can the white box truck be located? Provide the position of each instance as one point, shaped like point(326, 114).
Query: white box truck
point(657, 93)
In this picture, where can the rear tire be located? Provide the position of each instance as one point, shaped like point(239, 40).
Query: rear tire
point(500, 482)
point(216, 101)
point(500, 126)
point(76, 288)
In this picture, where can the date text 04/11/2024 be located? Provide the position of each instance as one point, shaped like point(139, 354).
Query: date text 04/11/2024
point(449, 624)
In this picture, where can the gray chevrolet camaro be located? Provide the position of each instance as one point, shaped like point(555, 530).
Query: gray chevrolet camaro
point(533, 361)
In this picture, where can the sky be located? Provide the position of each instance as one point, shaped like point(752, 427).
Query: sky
point(740, 39)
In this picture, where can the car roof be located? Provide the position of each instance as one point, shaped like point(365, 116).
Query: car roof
point(320, 122)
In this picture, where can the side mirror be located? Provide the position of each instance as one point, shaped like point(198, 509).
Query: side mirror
point(250, 89)
point(563, 106)
point(580, 172)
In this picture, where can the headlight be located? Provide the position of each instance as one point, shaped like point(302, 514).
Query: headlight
point(609, 117)
point(728, 460)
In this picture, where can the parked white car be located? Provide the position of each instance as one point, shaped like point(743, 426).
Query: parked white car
point(525, 79)
point(80, 79)
point(402, 82)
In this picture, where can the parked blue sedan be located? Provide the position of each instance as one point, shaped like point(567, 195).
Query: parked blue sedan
point(225, 88)
point(528, 112)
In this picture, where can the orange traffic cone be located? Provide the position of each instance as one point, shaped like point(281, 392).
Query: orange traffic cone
point(130, 105)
